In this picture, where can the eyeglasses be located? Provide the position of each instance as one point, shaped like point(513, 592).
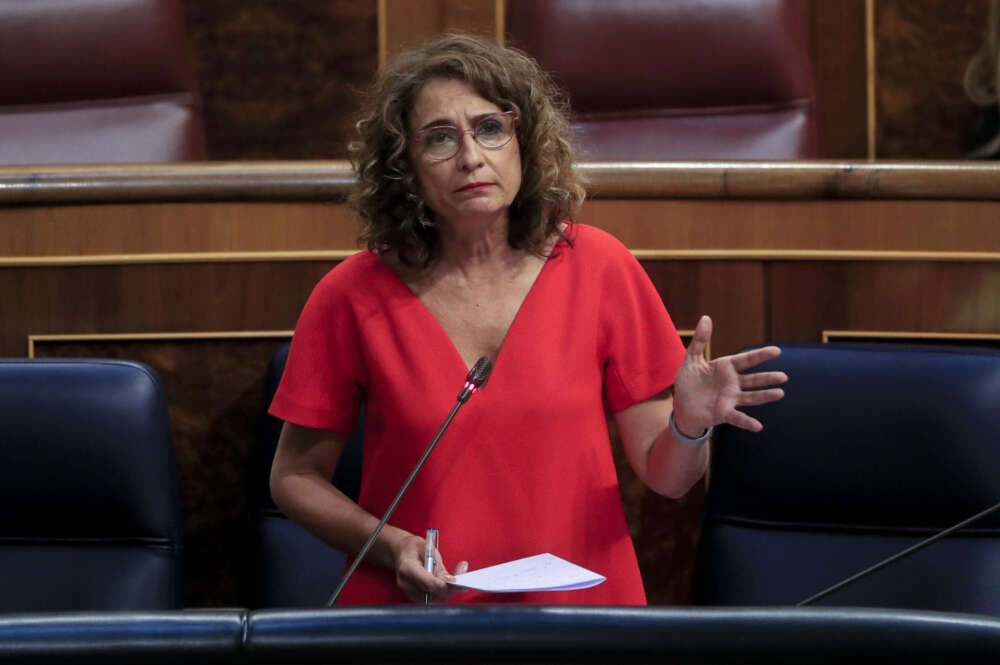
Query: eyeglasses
point(492, 132)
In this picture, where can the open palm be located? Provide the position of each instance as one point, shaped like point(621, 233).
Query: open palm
point(708, 393)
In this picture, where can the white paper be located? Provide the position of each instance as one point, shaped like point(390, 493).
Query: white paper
point(542, 572)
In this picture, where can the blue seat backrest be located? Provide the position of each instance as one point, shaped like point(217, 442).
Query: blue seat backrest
point(873, 449)
point(89, 482)
point(294, 568)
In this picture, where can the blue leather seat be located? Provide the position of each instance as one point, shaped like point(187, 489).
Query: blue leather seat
point(92, 517)
point(873, 449)
point(502, 634)
point(294, 568)
point(164, 636)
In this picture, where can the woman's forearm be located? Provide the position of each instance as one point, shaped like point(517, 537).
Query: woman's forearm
point(672, 467)
point(311, 501)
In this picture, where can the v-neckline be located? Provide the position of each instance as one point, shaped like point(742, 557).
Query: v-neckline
point(444, 333)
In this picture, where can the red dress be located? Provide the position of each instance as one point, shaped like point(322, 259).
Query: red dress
point(526, 466)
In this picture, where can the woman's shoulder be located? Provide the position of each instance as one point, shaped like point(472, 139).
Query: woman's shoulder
point(356, 270)
point(355, 279)
point(592, 244)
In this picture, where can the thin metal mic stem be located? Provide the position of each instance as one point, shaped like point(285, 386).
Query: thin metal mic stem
point(385, 518)
point(908, 551)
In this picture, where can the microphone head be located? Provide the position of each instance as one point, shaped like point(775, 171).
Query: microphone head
point(480, 372)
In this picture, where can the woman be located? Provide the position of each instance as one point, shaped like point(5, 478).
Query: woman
point(467, 192)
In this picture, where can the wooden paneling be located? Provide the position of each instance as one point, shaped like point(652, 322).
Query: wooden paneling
point(685, 229)
point(127, 232)
point(731, 292)
point(810, 297)
point(278, 79)
point(409, 23)
point(922, 49)
point(140, 298)
point(707, 229)
point(837, 44)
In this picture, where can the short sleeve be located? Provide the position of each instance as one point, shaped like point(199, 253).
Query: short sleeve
point(640, 346)
point(324, 379)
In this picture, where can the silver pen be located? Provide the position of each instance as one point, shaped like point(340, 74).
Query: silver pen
point(430, 547)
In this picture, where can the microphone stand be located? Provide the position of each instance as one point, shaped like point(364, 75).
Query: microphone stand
point(896, 557)
point(476, 379)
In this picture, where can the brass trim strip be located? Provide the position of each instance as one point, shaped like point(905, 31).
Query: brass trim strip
point(155, 336)
point(383, 37)
point(641, 254)
point(224, 334)
point(500, 21)
point(870, 110)
point(829, 335)
point(686, 336)
point(811, 255)
point(175, 257)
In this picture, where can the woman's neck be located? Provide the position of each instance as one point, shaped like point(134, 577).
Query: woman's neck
point(476, 248)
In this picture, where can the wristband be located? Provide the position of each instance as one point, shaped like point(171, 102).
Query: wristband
point(681, 437)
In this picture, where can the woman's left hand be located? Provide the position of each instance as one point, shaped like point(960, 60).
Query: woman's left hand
point(708, 393)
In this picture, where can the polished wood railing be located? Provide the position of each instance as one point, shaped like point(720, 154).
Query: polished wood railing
point(311, 180)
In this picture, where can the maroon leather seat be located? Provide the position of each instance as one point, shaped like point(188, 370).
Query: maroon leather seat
point(685, 79)
point(85, 81)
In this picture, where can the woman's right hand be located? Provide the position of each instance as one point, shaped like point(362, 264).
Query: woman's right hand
point(411, 577)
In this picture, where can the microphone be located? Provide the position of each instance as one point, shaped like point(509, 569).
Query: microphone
point(474, 381)
point(896, 557)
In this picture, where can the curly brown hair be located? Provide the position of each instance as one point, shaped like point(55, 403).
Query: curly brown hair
point(387, 194)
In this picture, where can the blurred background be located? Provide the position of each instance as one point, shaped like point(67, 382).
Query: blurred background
point(279, 79)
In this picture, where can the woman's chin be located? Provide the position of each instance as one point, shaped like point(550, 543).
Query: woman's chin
point(480, 209)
